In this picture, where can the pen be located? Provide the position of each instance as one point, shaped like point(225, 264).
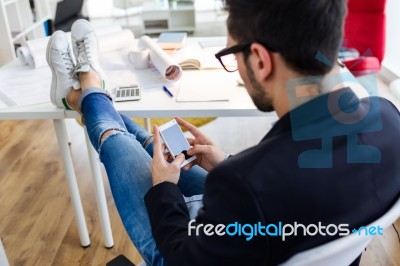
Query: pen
point(168, 91)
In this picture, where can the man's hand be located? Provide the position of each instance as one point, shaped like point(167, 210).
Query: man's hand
point(161, 170)
point(208, 155)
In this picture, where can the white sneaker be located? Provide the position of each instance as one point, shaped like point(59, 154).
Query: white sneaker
point(84, 45)
point(59, 58)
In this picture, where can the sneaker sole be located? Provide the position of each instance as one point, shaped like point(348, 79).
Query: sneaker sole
point(53, 85)
point(53, 79)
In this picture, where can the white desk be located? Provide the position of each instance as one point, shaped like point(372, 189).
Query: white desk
point(154, 103)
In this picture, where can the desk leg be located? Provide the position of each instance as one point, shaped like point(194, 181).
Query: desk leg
point(147, 124)
point(62, 138)
point(67, 132)
point(100, 194)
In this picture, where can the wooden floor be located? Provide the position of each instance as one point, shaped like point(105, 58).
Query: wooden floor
point(37, 224)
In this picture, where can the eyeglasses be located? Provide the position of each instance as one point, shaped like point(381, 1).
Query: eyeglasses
point(227, 56)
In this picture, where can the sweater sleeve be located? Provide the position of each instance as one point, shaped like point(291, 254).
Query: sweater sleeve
point(227, 200)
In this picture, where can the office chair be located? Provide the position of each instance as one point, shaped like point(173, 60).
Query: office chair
point(67, 12)
point(364, 30)
point(342, 251)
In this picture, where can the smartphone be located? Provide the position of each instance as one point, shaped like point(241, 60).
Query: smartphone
point(175, 141)
point(121, 260)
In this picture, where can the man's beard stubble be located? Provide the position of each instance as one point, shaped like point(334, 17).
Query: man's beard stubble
point(260, 98)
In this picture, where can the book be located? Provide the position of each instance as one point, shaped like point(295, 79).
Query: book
point(172, 40)
point(193, 56)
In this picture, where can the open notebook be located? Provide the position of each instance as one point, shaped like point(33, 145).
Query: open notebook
point(193, 56)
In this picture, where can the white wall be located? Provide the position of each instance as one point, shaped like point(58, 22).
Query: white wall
point(104, 8)
point(99, 8)
point(392, 53)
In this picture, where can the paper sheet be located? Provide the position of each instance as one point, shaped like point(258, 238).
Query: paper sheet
point(214, 86)
point(17, 90)
point(161, 60)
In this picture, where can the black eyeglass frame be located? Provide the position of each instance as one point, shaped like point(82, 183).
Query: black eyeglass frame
point(240, 47)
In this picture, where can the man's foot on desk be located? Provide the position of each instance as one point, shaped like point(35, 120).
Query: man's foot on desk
point(59, 58)
point(85, 48)
point(88, 80)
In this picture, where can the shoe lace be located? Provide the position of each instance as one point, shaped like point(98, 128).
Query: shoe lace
point(84, 56)
point(69, 64)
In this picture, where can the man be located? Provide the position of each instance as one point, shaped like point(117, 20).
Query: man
point(327, 164)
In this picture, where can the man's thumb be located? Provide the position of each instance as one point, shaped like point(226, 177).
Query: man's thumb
point(179, 159)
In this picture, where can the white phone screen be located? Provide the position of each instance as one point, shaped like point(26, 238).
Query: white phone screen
point(175, 139)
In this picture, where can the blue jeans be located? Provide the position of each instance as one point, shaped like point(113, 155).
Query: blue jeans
point(127, 163)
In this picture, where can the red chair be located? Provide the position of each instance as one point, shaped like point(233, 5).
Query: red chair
point(364, 30)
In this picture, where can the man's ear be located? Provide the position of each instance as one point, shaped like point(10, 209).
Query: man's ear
point(260, 61)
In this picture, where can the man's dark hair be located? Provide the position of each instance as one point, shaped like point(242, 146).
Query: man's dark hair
point(297, 29)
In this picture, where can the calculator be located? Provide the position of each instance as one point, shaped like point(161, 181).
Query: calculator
point(127, 93)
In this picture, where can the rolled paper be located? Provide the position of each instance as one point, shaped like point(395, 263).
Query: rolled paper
point(37, 52)
point(168, 67)
point(22, 54)
point(107, 29)
point(115, 41)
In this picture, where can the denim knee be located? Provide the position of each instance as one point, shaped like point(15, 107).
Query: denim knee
point(117, 132)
